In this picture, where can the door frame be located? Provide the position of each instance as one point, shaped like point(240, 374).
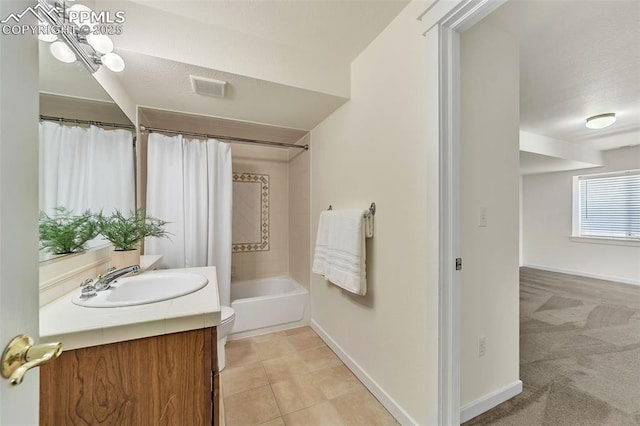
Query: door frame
point(19, 290)
point(461, 17)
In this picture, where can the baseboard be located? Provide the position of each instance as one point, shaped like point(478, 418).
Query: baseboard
point(487, 402)
point(385, 399)
point(583, 274)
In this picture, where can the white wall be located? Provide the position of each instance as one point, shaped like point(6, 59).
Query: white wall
point(520, 225)
point(547, 219)
point(489, 183)
point(376, 149)
point(574, 152)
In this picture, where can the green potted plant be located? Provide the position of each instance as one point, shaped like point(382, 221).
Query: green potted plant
point(125, 233)
point(65, 232)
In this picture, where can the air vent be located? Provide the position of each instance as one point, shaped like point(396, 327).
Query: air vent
point(208, 86)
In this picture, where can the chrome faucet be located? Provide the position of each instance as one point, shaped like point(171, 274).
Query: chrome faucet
point(103, 282)
point(91, 286)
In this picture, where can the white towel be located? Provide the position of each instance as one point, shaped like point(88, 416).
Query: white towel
point(340, 254)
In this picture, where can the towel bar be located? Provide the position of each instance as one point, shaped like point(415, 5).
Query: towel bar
point(372, 209)
point(368, 220)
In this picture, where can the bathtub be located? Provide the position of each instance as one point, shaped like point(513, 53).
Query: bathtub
point(266, 305)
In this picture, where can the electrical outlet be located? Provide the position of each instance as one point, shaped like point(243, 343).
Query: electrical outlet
point(483, 217)
point(482, 346)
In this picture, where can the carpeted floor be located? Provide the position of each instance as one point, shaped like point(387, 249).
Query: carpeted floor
point(579, 354)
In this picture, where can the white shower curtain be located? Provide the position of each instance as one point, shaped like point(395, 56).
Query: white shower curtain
point(189, 184)
point(86, 169)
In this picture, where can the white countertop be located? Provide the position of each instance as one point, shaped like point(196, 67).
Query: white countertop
point(77, 326)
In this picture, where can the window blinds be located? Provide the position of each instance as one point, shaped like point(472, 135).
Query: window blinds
point(610, 205)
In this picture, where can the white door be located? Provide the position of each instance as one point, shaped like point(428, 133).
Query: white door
point(18, 206)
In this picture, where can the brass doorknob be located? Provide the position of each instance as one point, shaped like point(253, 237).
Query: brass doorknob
point(21, 355)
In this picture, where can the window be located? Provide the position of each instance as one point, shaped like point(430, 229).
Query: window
point(608, 205)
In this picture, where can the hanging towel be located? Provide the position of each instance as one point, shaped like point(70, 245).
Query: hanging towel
point(340, 253)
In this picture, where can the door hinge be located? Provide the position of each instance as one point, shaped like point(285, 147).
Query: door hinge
point(458, 263)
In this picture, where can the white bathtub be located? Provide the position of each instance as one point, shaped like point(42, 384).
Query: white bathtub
point(267, 305)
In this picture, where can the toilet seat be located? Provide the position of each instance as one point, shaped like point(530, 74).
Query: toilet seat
point(227, 314)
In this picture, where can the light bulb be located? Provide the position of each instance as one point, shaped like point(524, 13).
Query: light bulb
point(44, 33)
point(62, 52)
point(601, 121)
point(113, 61)
point(81, 15)
point(47, 37)
point(100, 42)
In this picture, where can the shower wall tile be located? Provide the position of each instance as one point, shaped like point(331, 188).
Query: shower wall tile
point(242, 270)
point(299, 216)
point(275, 261)
point(289, 226)
point(271, 269)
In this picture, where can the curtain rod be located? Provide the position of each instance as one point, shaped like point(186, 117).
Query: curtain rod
point(90, 122)
point(224, 138)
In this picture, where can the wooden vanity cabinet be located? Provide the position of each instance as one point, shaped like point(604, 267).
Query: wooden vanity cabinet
point(170, 379)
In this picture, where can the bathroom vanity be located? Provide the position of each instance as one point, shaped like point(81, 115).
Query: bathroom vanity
point(153, 364)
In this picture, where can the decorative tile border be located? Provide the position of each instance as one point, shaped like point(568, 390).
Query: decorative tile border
point(263, 244)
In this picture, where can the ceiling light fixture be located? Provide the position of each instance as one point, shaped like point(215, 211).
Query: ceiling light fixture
point(75, 40)
point(601, 121)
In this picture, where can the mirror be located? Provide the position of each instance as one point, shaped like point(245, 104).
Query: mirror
point(87, 160)
point(250, 212)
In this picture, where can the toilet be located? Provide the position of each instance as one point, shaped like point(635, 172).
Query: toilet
point(227, 317)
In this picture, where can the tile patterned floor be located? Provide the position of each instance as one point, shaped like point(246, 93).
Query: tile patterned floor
point(292, 378)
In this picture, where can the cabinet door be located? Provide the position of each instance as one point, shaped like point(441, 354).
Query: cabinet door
point(160, 380)
point(215, 377)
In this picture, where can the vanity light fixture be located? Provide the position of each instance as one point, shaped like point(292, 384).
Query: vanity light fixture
point(42, 33)
point(81, 15)
point(101, 43)
point(61, 52)
point(113, 61)
point(601, 121)
point(74, 39)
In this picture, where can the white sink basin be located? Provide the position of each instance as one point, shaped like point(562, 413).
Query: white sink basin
point(144, 288)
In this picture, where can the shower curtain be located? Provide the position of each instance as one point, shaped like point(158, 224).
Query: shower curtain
point(85, 169)
point(189, 184)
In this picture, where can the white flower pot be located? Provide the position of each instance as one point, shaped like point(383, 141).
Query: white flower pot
point(124, 258)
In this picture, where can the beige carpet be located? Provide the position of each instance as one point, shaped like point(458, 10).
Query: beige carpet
point(579, 353)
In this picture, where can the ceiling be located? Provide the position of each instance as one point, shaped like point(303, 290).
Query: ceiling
point(332, 30)
point(246, 98)
point(577, 59)
point(287, 63)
